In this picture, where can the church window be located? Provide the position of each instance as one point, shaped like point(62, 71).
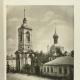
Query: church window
point(60, 70)
point(51, 69)
point(47, 69)
point(20, 36)
point(65, 70)
point(44, 69)
point(28, 35)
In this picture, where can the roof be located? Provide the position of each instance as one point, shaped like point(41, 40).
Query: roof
point(24, 26)
point(65, 60)
point(56, 46)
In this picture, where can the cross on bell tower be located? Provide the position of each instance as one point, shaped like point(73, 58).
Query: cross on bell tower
point(24, 20)
point(24, 13)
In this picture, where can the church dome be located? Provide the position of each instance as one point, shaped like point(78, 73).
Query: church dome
point(55, 35)
point(53, 49)
point(56, 49)
point(24, 25)
point(24, 20)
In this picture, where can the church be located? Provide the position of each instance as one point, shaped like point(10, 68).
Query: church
point(25, 57)
point(55, 50)
point(58, 66)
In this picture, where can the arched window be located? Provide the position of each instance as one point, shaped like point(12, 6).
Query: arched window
point(28, 35)
point(20, 35)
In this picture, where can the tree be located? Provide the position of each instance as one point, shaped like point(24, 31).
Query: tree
point(65, 53)
point(72, 53)
point(26, 68)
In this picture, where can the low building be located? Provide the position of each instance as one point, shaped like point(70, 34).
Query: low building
point(59, 67)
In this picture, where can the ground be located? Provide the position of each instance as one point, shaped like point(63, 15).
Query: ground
point(17, 76)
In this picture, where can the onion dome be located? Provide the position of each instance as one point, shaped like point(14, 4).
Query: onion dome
point(24, 20)
point(55, 37)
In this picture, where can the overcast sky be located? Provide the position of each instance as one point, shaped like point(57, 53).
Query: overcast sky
point(42, 19)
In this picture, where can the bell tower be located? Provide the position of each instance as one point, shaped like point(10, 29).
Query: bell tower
point(24, 36)
point(24, 44)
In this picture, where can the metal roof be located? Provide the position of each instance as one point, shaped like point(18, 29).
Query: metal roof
point(64, 60)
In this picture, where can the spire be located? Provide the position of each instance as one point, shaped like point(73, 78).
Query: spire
point(55, 29)
point(55, 34)
point(24, 12)
point(24, 20)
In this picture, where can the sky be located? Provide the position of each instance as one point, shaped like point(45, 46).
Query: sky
point(42, 19)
